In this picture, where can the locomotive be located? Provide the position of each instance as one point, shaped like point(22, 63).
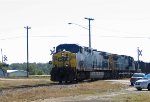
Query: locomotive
point(144, 67)
point(72, 62)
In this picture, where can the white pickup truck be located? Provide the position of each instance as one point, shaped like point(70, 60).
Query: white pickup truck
point(143, 83)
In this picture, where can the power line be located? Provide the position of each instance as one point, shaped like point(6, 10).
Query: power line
point(126, 37)
point(114, 30)
point(17, 37)
point(47, 36)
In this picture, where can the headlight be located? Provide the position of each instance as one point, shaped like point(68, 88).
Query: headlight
point(137, 83)
point(66, 65)
point(62, 54)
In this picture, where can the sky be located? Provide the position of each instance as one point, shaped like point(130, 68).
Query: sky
point(119, 26)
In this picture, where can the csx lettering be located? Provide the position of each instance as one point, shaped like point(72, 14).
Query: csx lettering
point(62, 59)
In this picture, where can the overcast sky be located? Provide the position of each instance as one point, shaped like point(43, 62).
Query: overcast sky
point(119, 26)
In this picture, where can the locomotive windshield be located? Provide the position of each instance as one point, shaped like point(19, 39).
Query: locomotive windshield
point(68, 47)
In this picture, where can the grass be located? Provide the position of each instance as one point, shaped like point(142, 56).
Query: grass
point(133, 97)
point(21, 83)
point(20, 90)
point(39, 76)
point(100, 87)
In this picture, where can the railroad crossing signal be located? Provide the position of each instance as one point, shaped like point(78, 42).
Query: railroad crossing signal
point(5, 58)
point(139, 53)
point(52, 51)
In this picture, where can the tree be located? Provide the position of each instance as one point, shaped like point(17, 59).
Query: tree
point(34, 68)
point(4, 67)
point(39, 72)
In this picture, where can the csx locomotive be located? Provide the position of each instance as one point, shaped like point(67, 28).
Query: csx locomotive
point(73, 62)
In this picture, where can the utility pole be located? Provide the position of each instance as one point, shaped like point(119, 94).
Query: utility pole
point(2, 54)
point(27, 51)
point(89, 30)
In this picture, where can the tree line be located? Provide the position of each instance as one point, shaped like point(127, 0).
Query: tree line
point(34, 68)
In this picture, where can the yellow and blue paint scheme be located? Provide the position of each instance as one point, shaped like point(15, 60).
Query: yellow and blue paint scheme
point(64, 66)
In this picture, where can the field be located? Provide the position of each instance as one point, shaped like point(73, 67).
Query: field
point(43, 90)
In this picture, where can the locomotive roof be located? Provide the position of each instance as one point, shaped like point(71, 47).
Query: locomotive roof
point(75, 48)
point(68, 47)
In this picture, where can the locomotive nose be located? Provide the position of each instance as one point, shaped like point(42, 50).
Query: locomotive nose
point(63, 63)
point(63, 60)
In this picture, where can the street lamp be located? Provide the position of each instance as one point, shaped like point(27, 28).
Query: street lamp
point(79, 25)
point(86, 28)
